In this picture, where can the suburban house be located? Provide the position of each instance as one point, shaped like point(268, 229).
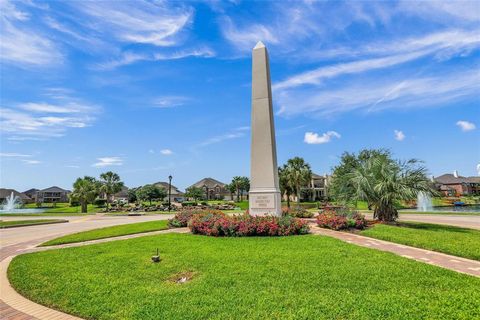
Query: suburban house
point(32, 194)
point(214, 189)
point(453, 185)
point(52, 195)
point(121, 196)
point(176, 194)
point(316, 190)
point(5, 193)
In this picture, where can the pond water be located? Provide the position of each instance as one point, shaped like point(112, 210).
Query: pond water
point(474, 208)
point(21, 211)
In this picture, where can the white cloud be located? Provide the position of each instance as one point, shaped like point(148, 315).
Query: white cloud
point(245, 38)
point(233, 134)
point(315, 138)
point(166, 152)
point(169, 101)
point(108, 162)
point(72, 166)
point(466, 125)
point(399, 135)
point(127, 58)
point(31, 161)
point(41, 120)
point(381, 93)
point(136, 22)
point(14, 155)
point(151, 151)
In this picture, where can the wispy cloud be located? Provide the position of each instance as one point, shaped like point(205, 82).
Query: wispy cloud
point(23, 44)
point(466, 125)
point(166, 152)
point(399, 135)
point(31, 161)
point(381, 93)
point(245, 38)
point(41, 120)
point(169, 101)
point(14, 155)
point(315, 138)
point(108, 162)
point(233, 134)
point(127, 58)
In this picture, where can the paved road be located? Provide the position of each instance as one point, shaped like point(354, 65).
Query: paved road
point(453, 220)
point(33, 234)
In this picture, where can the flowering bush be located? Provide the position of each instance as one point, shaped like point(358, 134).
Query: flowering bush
point(341, 218)
point(214, 224)
point(181, 218)
point(297, 212)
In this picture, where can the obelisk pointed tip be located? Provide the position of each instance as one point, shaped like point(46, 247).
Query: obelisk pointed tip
point(259, 45)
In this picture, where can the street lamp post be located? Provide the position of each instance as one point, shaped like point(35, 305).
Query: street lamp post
point(169, 193)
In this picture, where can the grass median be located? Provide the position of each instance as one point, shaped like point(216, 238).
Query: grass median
point(109, 232)
point(25, 223)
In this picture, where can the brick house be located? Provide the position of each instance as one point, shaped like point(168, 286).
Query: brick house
point(454, 185)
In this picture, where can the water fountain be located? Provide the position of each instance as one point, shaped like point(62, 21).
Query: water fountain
point(11, 203)
point(424, 202)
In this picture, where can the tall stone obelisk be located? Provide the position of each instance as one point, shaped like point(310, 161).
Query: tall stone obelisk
point(264, 195)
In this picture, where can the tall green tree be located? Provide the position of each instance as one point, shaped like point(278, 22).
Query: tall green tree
point(383, 182)
point(85, 190)
point(299, 175)
point(341, 187)
point(111, 184)
point(150, 193)
point(285, 187)
point(194, 192)
point(237, 182)
point(244, 186)
point(231, 188)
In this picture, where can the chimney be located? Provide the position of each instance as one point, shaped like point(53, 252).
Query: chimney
point(455, 174)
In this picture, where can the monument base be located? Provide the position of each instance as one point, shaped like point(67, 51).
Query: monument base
point(264, 202)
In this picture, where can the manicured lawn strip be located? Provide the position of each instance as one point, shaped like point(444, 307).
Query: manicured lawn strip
point(63, 208)
point(299, 277)
point(24, 223)
point(43, 214)
point(109, 232)
point(461, 242)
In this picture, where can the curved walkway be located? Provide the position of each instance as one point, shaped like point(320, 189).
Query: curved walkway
point(13, 306)
point(471, 267)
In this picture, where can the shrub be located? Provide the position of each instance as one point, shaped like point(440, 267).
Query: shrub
point(218, 224)
point(188, 203)
point(297, 212)
point(181, 218)
point(341, 218)
point(99, 202)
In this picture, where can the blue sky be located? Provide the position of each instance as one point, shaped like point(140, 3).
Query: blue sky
point(149, 89)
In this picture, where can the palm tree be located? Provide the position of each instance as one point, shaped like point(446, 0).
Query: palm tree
point(382, 182)
point(285, 187)
point(85, 190)
point(111, 184)
point(299, 174)
point(231, 188)
point(237, 182)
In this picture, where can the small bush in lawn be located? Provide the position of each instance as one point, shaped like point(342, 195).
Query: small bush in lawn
point(181, 218)
point(297, 212)
point(341, 219)
point(214, 224)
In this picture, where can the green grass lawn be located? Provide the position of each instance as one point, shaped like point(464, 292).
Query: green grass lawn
point(24, 223)
point(298, 277)
point(63, 208)
point(456, 241)
point(109, 232)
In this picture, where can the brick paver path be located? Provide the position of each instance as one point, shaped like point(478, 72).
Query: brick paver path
point(458, 264)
